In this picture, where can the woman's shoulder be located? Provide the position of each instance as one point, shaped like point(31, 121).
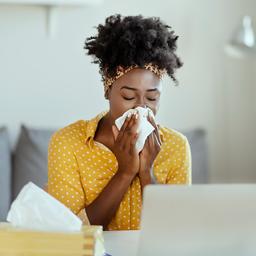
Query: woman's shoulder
point(73, 132)
point(173, 136)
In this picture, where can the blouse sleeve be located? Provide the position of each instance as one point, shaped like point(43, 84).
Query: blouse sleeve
point(182, 171)
point(64, 181)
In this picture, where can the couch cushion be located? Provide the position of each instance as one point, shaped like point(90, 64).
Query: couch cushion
point(30, 158)
point(199, 153)
point(5, 171)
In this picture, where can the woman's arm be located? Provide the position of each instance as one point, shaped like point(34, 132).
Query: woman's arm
point(64, 182)
point(181, 171)
point(103, 208)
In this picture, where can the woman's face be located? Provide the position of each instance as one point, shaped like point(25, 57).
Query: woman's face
point(138, 87)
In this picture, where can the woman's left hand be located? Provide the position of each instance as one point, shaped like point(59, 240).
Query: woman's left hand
point(148, 154)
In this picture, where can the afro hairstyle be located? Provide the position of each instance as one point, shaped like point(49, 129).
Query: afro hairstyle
point(133, 40)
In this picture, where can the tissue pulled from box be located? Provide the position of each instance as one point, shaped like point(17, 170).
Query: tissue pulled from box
point(145, 128)
point(37, 210)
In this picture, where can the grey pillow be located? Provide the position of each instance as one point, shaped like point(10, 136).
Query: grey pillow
point(5, 173)
point(199, 153)
point(30, 158)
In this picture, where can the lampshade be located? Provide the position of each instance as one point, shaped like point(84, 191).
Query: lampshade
point(243, 40)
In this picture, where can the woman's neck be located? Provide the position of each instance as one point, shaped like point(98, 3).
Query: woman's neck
point(104, 132)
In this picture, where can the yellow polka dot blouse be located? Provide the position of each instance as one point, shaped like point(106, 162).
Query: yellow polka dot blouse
point(79, 168)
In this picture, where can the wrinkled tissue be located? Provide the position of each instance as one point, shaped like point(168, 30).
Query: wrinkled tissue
point(145, 128)
point(37, 210)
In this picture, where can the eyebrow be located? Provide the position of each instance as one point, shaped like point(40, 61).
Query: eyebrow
point(134, 89)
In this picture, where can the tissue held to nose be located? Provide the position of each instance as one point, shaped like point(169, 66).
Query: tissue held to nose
point(145, 128)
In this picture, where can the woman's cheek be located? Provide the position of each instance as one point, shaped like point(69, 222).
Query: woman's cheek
point(119, 109)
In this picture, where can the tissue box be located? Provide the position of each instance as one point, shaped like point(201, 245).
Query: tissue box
point(19, 242)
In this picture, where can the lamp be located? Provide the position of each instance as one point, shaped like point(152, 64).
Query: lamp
point(243, 41)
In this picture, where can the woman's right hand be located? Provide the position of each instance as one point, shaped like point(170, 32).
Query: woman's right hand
point(124, 146)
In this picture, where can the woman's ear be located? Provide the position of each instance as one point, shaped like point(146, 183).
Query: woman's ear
point(107, 94)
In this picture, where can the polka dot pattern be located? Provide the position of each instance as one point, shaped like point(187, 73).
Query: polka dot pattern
point(79, 168)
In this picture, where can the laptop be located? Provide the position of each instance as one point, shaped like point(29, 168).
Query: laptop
point(198, 220)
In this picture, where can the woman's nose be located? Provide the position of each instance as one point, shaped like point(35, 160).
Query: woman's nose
point(141, 103)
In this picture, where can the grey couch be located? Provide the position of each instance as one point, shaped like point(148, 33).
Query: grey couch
point(28, 161)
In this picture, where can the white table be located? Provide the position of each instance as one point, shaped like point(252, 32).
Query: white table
point(121, 243)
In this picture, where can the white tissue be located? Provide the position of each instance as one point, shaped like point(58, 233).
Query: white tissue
point(144, 127)
point(36, 209)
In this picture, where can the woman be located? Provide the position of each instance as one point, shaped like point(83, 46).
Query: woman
point(93, 166)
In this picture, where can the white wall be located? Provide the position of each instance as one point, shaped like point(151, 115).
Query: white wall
point(50, 82)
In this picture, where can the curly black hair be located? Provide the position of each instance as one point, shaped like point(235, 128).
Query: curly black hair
point(133, 40)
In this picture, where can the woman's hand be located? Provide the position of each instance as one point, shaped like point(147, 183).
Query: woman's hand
point(148, 154)
point(124, 146)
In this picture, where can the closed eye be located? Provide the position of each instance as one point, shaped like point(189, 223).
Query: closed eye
point(151, 99)
point(126, 98)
